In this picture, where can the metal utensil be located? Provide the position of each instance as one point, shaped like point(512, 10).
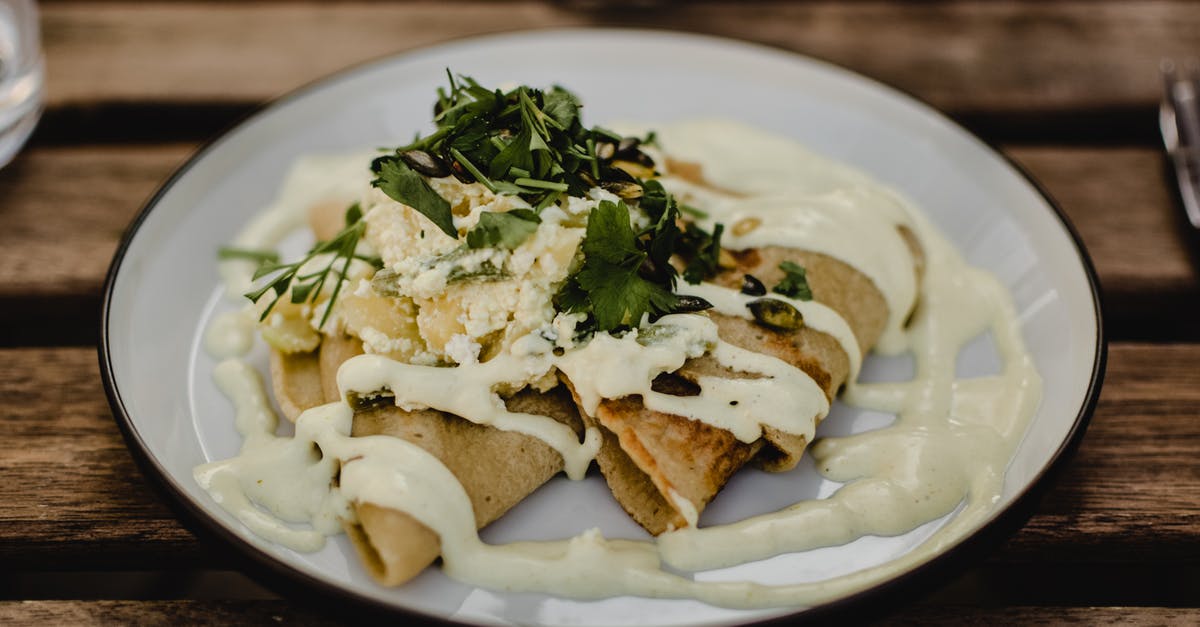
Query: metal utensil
point(1179, 121)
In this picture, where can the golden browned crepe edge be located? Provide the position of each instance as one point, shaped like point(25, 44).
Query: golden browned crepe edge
point(497, 468)
point(296, 382)
point(642, 479)
point(393, 546)
point(647, 455)
point(636, 476)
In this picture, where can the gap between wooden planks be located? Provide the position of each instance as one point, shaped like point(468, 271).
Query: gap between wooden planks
point(974, 55)
point(66, 207)
point(74, 499)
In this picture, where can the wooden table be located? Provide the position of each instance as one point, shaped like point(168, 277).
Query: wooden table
point(1067, 89)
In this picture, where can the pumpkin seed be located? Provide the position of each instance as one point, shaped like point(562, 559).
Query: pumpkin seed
point(752, 286)
point(691, 304)
point(776, 314)
point(425, 163)
point(627, 190)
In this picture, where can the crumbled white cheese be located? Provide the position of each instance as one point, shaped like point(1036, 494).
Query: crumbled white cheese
point(462, 349)
point(376, 341)
point(471, 302)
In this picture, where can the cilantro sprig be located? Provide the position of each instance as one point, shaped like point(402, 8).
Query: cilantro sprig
point(610, 285)
point(794, 283)
point(626, 275)
point(401, 183)
point(503, 230)
point(226, 253)
point(702, 251)
point(305, 287)
point(525, 142)
point(531, 143)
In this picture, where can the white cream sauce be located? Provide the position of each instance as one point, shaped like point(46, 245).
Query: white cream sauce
point(816, 315)
point(285, 475)
point(231, 334)
point(771, 191)
point(784, 397)
point(947, 449)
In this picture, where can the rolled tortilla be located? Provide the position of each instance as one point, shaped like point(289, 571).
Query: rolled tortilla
point(652, 460)
point(498, 469)
point(296, 381)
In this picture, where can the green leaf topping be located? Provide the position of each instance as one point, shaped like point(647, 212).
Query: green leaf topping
point(531, 143)
point(609, 285)
point(503, 230)
point(703, 252)
point(525, 142)
point(692, 211)
point(662, 235)
point(353, 214)
point(402, 184)
point(794, 283)
point(259, 256)
point(306, 287)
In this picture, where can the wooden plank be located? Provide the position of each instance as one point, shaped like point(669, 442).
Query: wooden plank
point(85, 613)
point(1032, 616)
point(271, 612)
point(66, 207)
point(1132, 493)
point(1123, 206)
point(64, 212)
point(964, 56)
point(74, 499)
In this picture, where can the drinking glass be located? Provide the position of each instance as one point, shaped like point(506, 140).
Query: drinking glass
point(22, 70)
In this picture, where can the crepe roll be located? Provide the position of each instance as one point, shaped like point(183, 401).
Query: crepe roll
point(664, 469)
point(497, 469)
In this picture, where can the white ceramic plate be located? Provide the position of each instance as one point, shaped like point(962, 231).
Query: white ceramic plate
point(163, 288)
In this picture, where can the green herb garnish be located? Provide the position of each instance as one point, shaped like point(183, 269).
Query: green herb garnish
point(258, 256)
point(794, 283)
point(609, 285)
point(703, 252)
point(693, 211)
point(525, 142)
point(403, 184)
point(503, 230)
point(306, 287)
point(531, 143)
point(662, 236)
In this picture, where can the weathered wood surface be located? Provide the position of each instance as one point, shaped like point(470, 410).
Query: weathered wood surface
point(85, 613)
point(65, 208)
point(75, 499)
point(1139, 456)
point(975, 55)
point(1032, 616)
point(1070, 86)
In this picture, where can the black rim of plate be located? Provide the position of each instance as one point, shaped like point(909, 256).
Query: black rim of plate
point(872, 602)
